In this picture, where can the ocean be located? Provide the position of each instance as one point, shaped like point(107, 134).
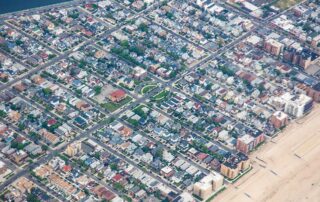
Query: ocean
point(8, 6)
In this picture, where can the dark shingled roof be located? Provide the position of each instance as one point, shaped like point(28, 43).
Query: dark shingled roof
point(316, 87)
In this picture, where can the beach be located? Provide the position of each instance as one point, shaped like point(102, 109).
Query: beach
point(285, 169)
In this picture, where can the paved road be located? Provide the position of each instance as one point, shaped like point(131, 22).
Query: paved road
point(38, 10)
point(120, 155)
point(86, 133)
point(165, 146)
point(32, 37)
point(13, 167)
point(48, 191)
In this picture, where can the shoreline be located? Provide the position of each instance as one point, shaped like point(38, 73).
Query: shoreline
point(39, 8)
point(284, 169)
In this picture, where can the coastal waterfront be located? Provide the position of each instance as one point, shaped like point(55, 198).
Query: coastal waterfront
point(18, 5)
point(160, 100)
point(285, 169)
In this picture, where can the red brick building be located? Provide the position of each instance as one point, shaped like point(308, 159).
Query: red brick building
point(117, 95)
point(279, 119)
point(245, 144)
point(313, 92)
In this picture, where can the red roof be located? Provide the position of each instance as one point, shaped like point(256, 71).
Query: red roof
point(20, 139)
point(202, 156)
point(117, 178)
point(88, 6)
point(44, 55)
point(197, 105)
point(67, 168)
point(52, 122)
point(108, 195)
point(118, 93)
point(104, 193)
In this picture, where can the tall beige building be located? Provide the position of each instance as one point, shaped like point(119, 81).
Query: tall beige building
point(73, 149)
point(207, 185)
point(273, 47)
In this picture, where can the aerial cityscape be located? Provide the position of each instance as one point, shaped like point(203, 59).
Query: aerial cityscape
point(160, 100)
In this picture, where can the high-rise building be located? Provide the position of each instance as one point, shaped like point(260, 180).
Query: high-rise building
point(279, 119)
point(297, 105)
point(311, 91)
point(73, 149)
point(297, 55)
point(248, 142)
point(234, 165)
point(273, 47)
point(245, 144)
point(207, 185)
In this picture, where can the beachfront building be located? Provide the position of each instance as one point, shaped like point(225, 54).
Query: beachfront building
point(279, 119)
point(297, 105)
point(207, 185)
point(232, 167)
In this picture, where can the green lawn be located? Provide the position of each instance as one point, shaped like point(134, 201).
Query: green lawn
point(148, 88)
point(160, 96)
point(240, 175)
point(112, 106)
point(215, 194)
point(285, 4)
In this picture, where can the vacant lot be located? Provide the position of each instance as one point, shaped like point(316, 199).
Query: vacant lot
point(286, 169)
point(284, 4)
point(105, 91)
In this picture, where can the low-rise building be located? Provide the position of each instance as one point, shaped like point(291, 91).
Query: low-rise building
point(167, 171)
point(139, 73)
point(117, 95)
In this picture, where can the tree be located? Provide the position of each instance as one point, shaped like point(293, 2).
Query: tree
point(17, 145)
point(159, 153)
point(209, 86)
point(169, 15)
point(134, 122)
point(97, 155)
point(113, 166)
point(145, 149)
point(307, 27)
point(226, 70)
point(118, 186)
point(97, 90)
point(2, 114)
point(261, 87)
point(124, 43)
point(184, 49)
point(137, 49)
point(21, 126)
point(78, 92)
point(32, 198)
point(143, 27)
point(44, 147)
point(247, 83)
point(47, 91)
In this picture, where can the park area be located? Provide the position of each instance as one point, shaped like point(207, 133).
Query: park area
point(285, 4)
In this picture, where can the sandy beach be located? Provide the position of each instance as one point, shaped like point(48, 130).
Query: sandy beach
point(286, 169)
